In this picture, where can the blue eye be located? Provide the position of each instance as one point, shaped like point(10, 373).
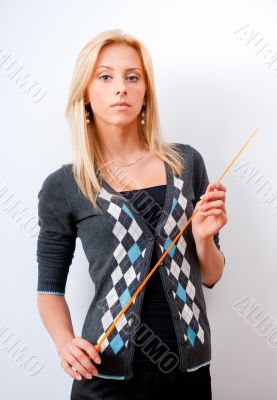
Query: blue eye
point(132, 76)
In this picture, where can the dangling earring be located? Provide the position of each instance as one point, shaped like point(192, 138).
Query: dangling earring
point(87, 107)
point(142, 121)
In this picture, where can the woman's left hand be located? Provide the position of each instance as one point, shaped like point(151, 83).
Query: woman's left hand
point(209, 221)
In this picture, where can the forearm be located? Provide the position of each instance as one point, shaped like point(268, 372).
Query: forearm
point(211, 260)
point(56, 318)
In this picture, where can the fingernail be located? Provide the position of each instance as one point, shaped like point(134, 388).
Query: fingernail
point(204, 196)
point(88, 376)
point(97, 359)
point(78, 377)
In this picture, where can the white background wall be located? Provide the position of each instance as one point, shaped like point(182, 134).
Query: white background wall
point(213, 91)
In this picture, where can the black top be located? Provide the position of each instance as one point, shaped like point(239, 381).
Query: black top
point(155, 312)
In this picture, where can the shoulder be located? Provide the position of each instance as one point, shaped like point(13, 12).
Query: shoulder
point(55, 181)
point(55, 193)
point(189, 152)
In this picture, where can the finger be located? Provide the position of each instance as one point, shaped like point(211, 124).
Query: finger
point(217, 186)
point(213, 204)
point(73, 361)
point(216, 211)
point(67, 368)
point(88, 348)
point(82, 357)
point(218, 194)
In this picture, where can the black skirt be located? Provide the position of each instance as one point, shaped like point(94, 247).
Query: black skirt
point(146, 385)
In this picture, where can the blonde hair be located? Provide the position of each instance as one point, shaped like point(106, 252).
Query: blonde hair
point(87, 151)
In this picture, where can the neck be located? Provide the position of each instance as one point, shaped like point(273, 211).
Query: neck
point(121, 144)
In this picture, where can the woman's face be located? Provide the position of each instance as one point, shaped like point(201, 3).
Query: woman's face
point(122, 79)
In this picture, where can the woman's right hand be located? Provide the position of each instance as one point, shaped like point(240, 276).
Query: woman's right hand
point(78, 353)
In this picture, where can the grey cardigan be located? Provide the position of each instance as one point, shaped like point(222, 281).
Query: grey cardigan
point(118, 244)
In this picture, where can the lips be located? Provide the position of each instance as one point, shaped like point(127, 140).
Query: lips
point(121, 103)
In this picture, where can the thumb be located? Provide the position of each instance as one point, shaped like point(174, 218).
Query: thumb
point(210, 188)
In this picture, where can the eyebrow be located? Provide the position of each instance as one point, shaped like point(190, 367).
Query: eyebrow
point(127, 69)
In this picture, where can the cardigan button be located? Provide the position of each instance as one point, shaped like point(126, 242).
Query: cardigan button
point(151, 239)
point(177, 317)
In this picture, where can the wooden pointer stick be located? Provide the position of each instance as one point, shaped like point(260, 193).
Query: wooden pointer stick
point(98, 345)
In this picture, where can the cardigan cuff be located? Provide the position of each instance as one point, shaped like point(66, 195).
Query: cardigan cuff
point(52, 278)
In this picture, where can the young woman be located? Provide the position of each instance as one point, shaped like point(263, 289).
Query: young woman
point(126, 195)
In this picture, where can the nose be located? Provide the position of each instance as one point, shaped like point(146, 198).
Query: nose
point(120, 86)
point(123, 90)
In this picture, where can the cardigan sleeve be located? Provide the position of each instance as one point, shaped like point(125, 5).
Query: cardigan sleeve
point(57, 235)
point(201, 182)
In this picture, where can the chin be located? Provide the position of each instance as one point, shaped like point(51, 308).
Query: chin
point(123, 121)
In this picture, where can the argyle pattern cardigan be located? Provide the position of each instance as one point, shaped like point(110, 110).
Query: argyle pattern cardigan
point(118, 245)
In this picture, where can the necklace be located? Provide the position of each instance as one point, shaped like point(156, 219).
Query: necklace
point(126, 165)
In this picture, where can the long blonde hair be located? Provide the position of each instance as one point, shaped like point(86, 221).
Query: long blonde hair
point(87, 151)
